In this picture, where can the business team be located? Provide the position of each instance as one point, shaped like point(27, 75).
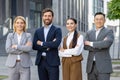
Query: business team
point(46, 42)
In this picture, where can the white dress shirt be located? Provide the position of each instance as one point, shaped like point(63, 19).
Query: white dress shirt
point(96, 33)
point(73, 51)
point(46, 30)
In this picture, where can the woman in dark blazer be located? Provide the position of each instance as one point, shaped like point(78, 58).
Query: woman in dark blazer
point(70, 51)
point(18, 46)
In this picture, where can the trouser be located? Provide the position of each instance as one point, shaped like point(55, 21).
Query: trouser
point(19, 73)
point(47, 72)
point(95, 75)
point(71, 70)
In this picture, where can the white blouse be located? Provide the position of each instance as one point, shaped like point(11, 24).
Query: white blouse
point(19, 39)
point(73, 51)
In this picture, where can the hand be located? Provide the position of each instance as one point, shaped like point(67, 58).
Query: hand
point(54, 39)
point(62, 50)
point(76, 45)
point(39, 42)
point(14, 46)
point(48, 49)
point(105, 38)
point(28, 43)
point(87, 43)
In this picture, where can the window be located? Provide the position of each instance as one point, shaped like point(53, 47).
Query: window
point(35, 14)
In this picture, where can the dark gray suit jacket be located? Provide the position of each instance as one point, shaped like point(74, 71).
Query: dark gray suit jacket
point(21, 49)
point(100, 50)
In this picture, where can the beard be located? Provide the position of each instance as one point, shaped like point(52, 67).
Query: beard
point(47, 22)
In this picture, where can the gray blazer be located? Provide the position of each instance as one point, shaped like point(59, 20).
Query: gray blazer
point(21, 49)
point(100, 50)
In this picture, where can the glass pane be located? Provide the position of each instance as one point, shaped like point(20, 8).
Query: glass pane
point(32, 5)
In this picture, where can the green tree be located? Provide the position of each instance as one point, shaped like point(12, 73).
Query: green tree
point(114, 10)
point(114, 14)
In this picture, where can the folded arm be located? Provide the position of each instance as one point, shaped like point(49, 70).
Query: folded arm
point(105, 43)
point(28, 46)
point(8, 46)
point(73, 51)
point(56, 41)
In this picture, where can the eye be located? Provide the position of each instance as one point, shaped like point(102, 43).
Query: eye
point(71, 23)
point(67, 23)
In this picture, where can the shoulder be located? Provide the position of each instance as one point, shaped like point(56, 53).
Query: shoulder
point(108, 30)
point(90, 31)
point(56, 27)
point(39, 29)
point(80, 36)
point(10, 35)
point(27, 33)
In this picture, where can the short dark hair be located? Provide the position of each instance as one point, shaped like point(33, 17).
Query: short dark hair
point(99, 13)
point(47, 10)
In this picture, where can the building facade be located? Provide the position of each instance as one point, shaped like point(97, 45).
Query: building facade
point(77, 9)
point(94, 6)
point(31, 10)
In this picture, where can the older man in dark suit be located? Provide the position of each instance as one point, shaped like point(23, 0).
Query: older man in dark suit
point(98, 42)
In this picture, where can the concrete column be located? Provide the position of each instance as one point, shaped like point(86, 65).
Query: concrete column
point(20, 7)
point(2, 11)
point(7, 8)
point(70, 8)
point(67, 16)
point(61, 9)
point(55, 10)
point(26, 8)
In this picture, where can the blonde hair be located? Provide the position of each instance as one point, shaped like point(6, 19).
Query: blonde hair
point(16, 18)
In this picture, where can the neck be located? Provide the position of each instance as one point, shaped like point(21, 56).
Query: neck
point(19, 32)
point(71, 31)
point(47, 25)
point(97, 28)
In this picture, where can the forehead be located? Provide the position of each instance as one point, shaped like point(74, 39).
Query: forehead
point(47, 13)
point(70, 20)
point(99, 16)
point(19, 20)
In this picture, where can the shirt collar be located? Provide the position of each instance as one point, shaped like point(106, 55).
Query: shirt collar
point(20, 34)
point(99, 29)
point(48, 27)
point(71, 34)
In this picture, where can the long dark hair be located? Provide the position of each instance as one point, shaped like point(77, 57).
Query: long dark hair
point(74, 40)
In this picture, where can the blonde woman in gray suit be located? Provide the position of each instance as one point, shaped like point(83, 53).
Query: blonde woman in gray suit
point(18, 46)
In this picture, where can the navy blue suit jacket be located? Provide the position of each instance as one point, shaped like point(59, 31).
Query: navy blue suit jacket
point(51, 53)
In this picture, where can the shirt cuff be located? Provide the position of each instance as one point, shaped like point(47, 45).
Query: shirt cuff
point(91, 44)
point(16, 47)
point(41, 43)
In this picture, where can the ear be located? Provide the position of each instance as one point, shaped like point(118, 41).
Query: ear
point(76, 25)
point(105, 20)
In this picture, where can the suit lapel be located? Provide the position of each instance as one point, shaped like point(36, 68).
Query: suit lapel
point(42, 34)
point(49, 33)
point(15, 38)
point(101, 33)
point(94, 35)
point(23, 37)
